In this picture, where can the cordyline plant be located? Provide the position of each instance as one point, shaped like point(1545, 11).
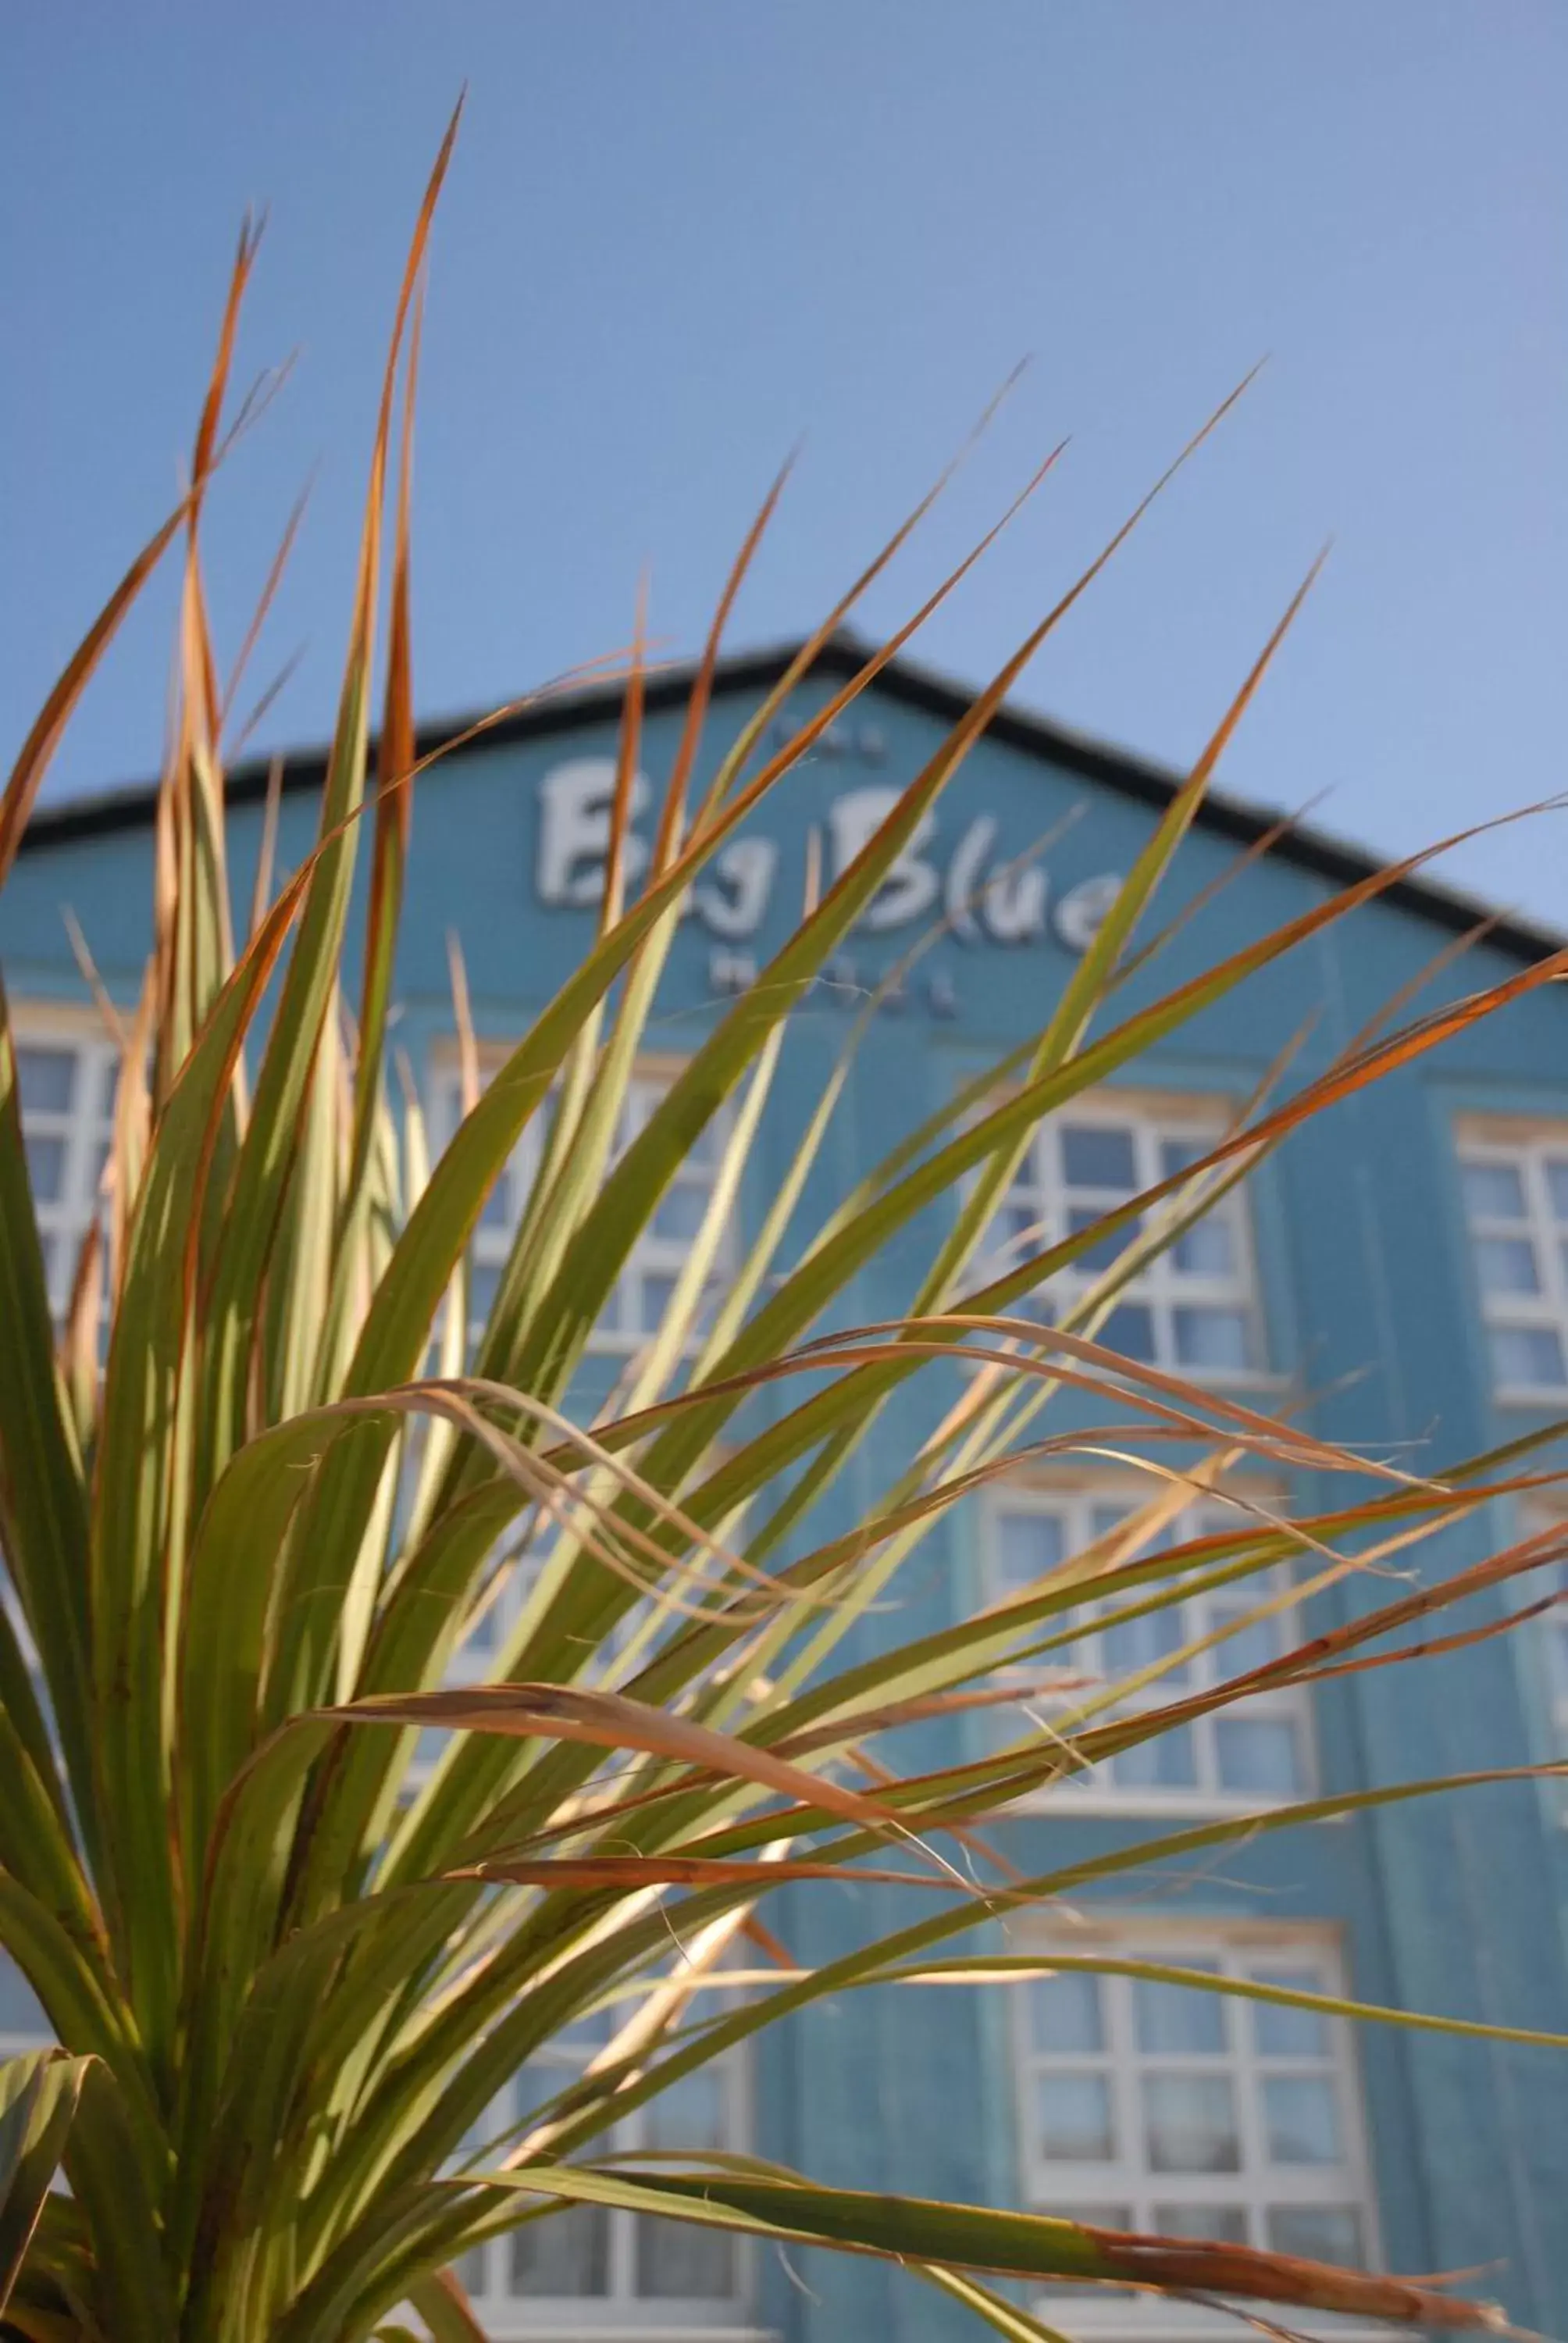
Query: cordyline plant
point(251, 1506)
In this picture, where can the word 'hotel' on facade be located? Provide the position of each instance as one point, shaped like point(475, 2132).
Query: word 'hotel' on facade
point(1398, 1272)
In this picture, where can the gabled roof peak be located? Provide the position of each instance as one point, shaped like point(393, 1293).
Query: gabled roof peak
point(903, 679)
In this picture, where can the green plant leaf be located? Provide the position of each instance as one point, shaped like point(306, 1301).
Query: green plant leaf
point(1018, 2245)
point(38, 2096)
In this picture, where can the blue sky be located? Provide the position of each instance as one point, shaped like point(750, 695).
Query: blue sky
point(678, 237)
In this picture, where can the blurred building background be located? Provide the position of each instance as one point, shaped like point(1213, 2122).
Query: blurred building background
point(1397, 1276)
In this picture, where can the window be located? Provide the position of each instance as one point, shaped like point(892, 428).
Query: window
point(67, 1075)
point(616, 1654)
point(517, 1573)
point(1157, 2107)
point(1259, 1749)
point(1515, 1181)
point(642, 1292)
point(1192, 1308)
point(596, 2268)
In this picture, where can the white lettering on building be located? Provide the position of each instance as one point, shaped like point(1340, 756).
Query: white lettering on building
point(732, 893)
point(978, 894)
point(575, 802)
point(912, 885)
point(1080, 914)
point(731, 971)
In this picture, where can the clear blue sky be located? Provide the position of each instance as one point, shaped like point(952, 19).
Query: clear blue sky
point(678, 236)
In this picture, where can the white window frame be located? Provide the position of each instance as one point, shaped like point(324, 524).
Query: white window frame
point(1527, 1147)
point(1126, 2181)
point(519, 1572)
point(1078, 1504)
point(1041, 1198)
point(1549, 1643)
point(518, 1565)
point(628, 1326)
point(85, 1128)
point(622, 2315)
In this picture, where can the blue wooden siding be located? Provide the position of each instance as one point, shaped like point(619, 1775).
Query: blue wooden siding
point(1453, 1905)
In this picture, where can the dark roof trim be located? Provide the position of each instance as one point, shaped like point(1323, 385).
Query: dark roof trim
point(1119, 769)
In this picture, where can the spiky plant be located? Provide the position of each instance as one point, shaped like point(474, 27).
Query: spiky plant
point(255, 1493)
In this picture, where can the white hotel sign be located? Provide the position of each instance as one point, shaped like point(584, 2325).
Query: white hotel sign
point(979, 896)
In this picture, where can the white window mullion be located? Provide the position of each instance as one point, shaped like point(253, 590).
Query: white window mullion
point(67, 1067)
point(1252, 1754)
point(620, 2307)
point(1194, 2038)
point(1515, 1182)
point(634, 1307)
point(622, 2257)
point(1191, 1314)
point(1131, 2180)
point(1254, 2142)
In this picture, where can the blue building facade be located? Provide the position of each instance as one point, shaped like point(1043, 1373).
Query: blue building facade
point(1397, 1274)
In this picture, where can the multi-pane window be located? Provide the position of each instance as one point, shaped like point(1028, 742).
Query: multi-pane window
point(517, 1575)
point(590, 2269)
point(595, 2266)
point(1192, 1307)
point(1257, 1749)
point(1157, 2107)
point(66, 1079)
point(617, 1653)
point(643, 1291)
point(1516, 1186)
